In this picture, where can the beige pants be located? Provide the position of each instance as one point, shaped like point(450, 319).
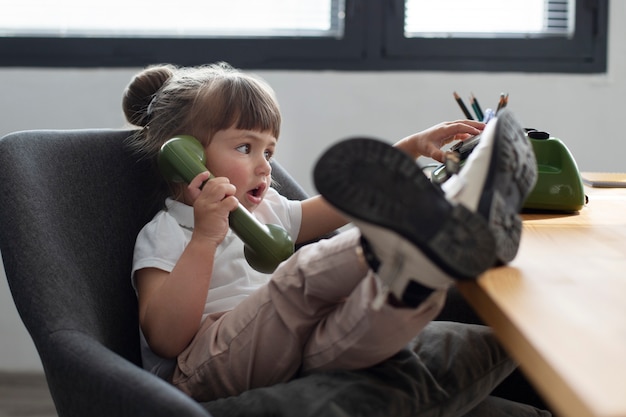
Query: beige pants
point(315, 314)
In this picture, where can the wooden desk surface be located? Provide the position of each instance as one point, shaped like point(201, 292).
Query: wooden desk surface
point(560, 306)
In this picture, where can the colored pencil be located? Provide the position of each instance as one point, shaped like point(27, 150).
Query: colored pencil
point(477, 109)
point(462, 106)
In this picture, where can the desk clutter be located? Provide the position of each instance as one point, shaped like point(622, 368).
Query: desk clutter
point(604, 179)
point(559, 186)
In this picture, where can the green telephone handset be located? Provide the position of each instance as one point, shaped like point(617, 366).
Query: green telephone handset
point(265, 246)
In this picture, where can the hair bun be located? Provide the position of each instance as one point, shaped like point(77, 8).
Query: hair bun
point(140, 91)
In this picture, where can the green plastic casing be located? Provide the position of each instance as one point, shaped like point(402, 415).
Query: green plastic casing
point(181, 159)
point(559, 186)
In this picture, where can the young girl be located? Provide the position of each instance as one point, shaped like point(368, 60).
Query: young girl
point(215, 327)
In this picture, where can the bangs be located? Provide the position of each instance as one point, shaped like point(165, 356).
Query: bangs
point(261, 118)
point(255, 106)
point(236, 101)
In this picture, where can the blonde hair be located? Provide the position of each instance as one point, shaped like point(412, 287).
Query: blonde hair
point(167, 101)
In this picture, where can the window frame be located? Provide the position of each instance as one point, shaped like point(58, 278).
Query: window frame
point(373, 40)
point(584, 52)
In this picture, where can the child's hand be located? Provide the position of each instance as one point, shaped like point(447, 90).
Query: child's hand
point(211, 203)
point(430, 141)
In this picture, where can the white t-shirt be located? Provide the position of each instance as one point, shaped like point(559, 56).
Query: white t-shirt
point(162, 241)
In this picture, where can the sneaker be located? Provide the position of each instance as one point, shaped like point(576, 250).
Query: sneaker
point(496, 179)
point(415, 232)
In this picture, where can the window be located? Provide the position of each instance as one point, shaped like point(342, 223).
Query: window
point(488, 18)
point(521, 35)
point(457, 35)
point(158, 18)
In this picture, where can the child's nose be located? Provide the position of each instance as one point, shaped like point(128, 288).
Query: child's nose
point(264, 167)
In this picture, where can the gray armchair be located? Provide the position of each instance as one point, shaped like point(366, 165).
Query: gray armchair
point(72, 204)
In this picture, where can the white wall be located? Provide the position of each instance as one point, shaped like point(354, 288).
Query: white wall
point(321, 107)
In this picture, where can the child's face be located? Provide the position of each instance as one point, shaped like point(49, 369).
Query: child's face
point(243, 157)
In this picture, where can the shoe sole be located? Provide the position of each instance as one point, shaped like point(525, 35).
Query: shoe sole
point(380, 186)
point(511, 177)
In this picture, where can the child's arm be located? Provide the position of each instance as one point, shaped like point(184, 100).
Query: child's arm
point(171, 304)
point(430, 141)
point(320, 218)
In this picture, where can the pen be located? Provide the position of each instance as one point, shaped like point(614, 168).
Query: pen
point(462, 106)
point(504, 100)
point(477, 109)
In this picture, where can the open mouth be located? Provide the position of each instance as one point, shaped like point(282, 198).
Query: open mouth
point(256, 193)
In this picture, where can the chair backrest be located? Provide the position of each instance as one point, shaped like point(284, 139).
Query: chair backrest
point(72, 204)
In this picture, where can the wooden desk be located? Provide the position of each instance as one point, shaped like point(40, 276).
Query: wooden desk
point(560, 307)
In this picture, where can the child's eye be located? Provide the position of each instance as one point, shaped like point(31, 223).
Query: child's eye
point(243, 148)
point(268, 155)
